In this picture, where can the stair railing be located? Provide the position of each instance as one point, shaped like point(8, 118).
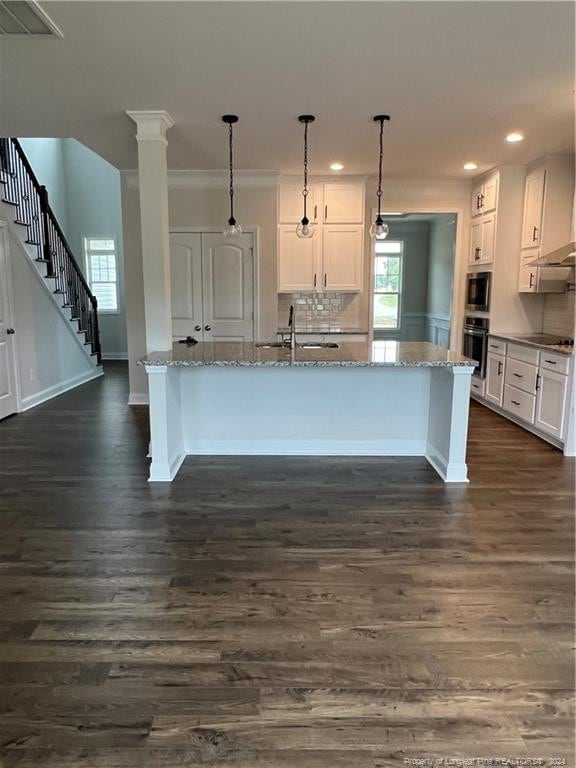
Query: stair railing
point(30, 199)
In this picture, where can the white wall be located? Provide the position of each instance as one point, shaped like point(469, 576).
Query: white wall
point(50, 357)
point(254, 207)
point(84, 193)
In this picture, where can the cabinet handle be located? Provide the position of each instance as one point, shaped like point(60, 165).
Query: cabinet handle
point(537, 382)
point(478, 206)
point(314, 279)
point(477, 253)
point(197, 327)
point(531, 284)
point(552, 362)
point(325, 279)
point(499, 368)
point(326, 213)
point(518, 375)
point(535, 234)
point(515, 402)
point(481, 200)
point(315, 213)
point(207, 327)
point(493, 346)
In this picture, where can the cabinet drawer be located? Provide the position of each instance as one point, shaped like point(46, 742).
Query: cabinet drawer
point(521, 404)
point(521, 375)
point(498, 346)
point(554, 362)
point(477, 385)
point(520, 352)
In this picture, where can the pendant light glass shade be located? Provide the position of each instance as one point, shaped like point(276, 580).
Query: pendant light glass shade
point(379, 228)
point(305, 228)
point(232, 228)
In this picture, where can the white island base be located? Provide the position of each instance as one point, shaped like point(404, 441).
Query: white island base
point(309, 409)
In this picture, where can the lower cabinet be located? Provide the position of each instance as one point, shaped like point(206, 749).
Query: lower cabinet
point(495, 368)
point(519, 403)
point(551, 402)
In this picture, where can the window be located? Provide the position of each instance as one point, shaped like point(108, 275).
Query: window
point(387, 284)
point(100, 254)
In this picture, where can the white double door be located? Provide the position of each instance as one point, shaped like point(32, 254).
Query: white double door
point(212, 286)
point(8, 401)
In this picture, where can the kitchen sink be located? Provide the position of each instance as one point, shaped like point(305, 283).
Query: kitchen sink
point(306, 345)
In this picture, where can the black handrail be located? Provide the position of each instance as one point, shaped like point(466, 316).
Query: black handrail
point(23, 190)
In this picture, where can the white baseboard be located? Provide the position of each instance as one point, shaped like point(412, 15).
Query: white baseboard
point(450, 473)
point(114, 356)
point(138, 398)
point(209, 447)
point(58, 389)
point(165, 473)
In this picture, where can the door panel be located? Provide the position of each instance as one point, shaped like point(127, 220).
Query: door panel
point(533, 205)
point(291, 203)
point(495, 370)
point(228, 287)
point(343, 203)
point(343, 255)
point(186, 276)
point(8, 404)
point(551, 402)
point(298, 261)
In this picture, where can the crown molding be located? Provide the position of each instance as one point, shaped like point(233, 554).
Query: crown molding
point(211, 179)
point(152, 124)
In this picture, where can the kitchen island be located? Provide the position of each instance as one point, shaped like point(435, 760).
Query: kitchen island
point(378, 398)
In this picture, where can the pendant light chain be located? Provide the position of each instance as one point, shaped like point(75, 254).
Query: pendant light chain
point(305, 190)
point(305, 228)
point(379, 193)
point(231, 166)
point(379, 228)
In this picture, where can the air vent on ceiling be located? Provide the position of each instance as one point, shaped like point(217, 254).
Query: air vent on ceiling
point(26, 18)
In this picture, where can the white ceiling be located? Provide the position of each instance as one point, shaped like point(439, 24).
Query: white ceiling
point(455, 77)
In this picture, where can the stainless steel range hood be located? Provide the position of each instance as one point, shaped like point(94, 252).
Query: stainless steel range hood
point(561, 257)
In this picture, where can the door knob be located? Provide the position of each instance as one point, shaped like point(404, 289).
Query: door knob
point(10, 331)
point(197, 327)
point(207, 327)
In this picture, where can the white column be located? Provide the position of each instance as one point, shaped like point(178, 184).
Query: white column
point(448, 422)
point(154, 224)
point(166, 440)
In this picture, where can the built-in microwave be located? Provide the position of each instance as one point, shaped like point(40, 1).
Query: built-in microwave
point(478, 291)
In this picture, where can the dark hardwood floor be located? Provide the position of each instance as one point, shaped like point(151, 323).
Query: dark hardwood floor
point(268, 612)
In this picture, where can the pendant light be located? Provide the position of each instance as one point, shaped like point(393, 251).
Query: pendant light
point(305, 228)
point(232, 228)
point(379, 229)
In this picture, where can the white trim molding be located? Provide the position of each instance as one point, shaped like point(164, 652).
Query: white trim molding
point(152, 124)
point(217, 179)
point(58, 389)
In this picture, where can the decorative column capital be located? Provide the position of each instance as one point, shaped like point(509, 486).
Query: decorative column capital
point(152, 124)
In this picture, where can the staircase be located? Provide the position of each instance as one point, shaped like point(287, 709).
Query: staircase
point(46, 241)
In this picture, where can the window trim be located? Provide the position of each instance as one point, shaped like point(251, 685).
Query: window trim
point(400, 293)
point(85, 238)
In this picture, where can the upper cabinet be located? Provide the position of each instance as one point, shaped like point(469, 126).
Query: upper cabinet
point(533, 208)
point(333, 259)
point(343, 203)
point(547, 214)
point(485, 194)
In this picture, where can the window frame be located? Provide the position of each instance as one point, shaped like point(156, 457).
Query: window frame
point(378, 331)
point(87, 254)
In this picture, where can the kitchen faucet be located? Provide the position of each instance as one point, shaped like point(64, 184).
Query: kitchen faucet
point(292, 326)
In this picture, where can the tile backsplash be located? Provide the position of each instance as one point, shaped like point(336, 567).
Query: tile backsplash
point(320, 308)
point(559, 314)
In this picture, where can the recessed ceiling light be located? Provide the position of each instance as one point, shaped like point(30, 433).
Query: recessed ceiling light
point(512, 138)
point(336, 167)
point(470, 166)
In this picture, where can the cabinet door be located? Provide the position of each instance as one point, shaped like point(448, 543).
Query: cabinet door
point(533, 206)
point(488, 225)
point(475, 242)
point(551, 402)
point(291, 203)
point(343, 203)
point(297, 261)
point(489, 199)
point(186, 279)
point(343, 254)
point(527, 275)
point(495, 365)
point(476, 207)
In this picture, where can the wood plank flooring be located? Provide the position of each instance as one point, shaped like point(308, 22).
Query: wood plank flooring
point(273, 612)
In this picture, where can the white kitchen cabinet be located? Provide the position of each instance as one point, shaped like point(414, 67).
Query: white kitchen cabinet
point(519, 403)
point(343, 203)
point(533, 208)
point(482, 240)
point(551, 402)
point(343, 255)
point(299, 262)
point(528, 275)
point(291, 203)
point(485, 194)
point(495, 370)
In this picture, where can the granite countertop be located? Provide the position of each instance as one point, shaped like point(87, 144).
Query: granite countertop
point(352, 354)
point(563, 349)
point(325, 328)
